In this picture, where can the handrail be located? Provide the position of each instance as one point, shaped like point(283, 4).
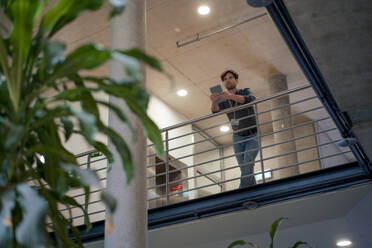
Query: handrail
point(263, 99)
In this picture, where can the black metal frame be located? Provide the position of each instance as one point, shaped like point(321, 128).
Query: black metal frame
point(301, 53)
point(259, 195)
point(251, 197)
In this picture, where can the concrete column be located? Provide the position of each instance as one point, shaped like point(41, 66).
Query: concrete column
point(278, 83)
point(130, 218)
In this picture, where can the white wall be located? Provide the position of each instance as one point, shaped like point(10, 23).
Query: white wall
point(331, 149)
point(164, 116)
point(206, 166)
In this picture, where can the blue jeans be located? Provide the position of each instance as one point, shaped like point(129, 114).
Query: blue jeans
point(245, 153)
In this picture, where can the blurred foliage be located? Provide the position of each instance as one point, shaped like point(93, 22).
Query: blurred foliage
point(38, 82)
point(273, 230)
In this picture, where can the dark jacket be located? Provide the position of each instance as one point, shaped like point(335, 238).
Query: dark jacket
point(244, 123)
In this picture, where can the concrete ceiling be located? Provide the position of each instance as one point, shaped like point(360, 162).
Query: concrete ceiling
point(254, 49)
point(338, 33)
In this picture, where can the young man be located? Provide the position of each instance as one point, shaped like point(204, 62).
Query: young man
point(243, 123)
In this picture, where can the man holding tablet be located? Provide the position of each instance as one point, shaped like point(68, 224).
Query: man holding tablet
point(243, 123)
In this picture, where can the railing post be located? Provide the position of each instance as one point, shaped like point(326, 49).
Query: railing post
point(259, 146)
point(166, 167)
point(222, 167)
point(86, 203)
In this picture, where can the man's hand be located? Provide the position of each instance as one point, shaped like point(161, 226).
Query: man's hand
point(227, 95)
point(214, 97)
point(237, 98)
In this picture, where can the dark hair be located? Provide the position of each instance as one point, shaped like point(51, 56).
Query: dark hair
point(236, 75)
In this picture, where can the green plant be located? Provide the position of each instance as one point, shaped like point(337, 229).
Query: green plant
point(274, 228)
point(31, 121)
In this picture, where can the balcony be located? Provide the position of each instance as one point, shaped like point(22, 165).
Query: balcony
point(299, 154)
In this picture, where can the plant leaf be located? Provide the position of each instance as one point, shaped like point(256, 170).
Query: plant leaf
point(117, 7)
point(87, 176)
point(68, 127)
point(88, 56)
point(274, 228)
point(109, 201)
point(87, 123)
point(140, 55)
point(30, 231)
point(237, 243)
point(53, 52)
point(122, 148)
point(298, 244)
point(103, 148)
point(131, 65)
point(71, 201)
point(64, 12)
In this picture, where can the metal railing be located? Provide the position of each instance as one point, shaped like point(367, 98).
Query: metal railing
point(293, 138)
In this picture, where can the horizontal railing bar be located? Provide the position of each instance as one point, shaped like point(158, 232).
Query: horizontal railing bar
point(206, 139)
point(276, 156)
point(93, 213)
point(288, 104)
point(301, 137)
point(266, 134)
point(237, 131)
point(79, 155)
point(73, 207)
point(291, 140)
point(209, 178)
point(82, 194)
point(286, 92)
point(214, 126)
point(212, 172)
point(296, 126)
point(257, 173)
point(291, 115)
point(259, 124)
point(91, 162)
point(202, 163)
point(301, 150)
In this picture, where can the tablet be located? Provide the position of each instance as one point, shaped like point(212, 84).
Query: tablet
point(216, 89)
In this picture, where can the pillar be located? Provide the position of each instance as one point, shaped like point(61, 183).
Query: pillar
point(130, 218)
point(278, 83)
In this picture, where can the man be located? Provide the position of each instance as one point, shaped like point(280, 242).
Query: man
point(243, 123)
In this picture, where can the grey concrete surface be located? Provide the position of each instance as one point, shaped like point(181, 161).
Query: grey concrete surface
point(338, 33)
point(130, 218)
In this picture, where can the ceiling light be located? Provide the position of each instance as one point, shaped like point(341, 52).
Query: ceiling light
point(182, 92)
point(204, 10)
point(42, 159)
point(224, 128)
point(343, 243)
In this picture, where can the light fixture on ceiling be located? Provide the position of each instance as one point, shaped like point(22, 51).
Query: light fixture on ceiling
point(224, 128)
point(204, 10)
point(344, 243)
point(42, 159)
point(182, 92)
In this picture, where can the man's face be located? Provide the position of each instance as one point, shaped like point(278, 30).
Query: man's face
point(229, 81)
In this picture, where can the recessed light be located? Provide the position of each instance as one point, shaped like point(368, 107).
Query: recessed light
point(177, 30)
point(224, 128)
point(344, 243)
point(42, 159)
point(204, 10)
point(182, 92)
